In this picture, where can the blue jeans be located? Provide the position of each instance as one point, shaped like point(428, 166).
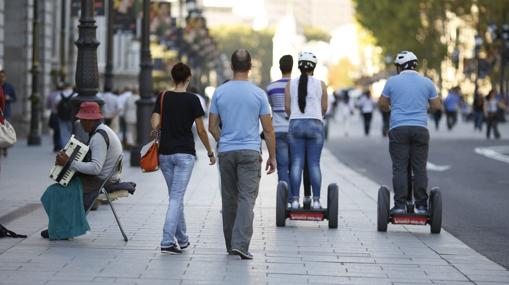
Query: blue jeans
point(176, 169)
point(283, 159)
point(306, 138)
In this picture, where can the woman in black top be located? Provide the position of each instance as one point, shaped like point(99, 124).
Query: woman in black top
point(174, 114)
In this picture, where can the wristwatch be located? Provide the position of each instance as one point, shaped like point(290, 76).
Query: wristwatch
point(210, 154)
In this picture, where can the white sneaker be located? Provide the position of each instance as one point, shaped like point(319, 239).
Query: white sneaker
point(295, 204)
point(316, 205)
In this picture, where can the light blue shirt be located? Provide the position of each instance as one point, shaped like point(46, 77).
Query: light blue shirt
point(452, 101)
point(239, 105)
point(409, 93)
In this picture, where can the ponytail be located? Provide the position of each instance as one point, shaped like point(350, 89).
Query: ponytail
point(303, 91)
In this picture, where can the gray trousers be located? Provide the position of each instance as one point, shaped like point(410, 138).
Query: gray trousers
point(408, 146)
point(240, 179)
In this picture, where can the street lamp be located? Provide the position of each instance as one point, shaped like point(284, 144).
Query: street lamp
point(87, 75)
point(145, 103)
point(34, 137)
point(108, 71)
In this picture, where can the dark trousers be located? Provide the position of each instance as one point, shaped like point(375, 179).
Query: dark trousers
point(437, 116)
point(386, 118)
point(367, 122)
point(492, 123)
point(53, 123)
point(408, 145)
point(240, 178)
point(452, 118)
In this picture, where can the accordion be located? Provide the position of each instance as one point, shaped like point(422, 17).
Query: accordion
point(76, 151)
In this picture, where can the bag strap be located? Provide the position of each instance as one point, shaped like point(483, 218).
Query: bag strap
point(161, 109)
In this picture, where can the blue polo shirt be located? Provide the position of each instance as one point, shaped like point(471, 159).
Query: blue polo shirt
point(239, 105)
point(409, 93)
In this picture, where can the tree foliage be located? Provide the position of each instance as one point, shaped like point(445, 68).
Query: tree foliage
point(257, 42)
point(420, 25)
point(316, 34)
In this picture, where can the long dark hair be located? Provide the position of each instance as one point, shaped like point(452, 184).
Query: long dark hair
point(303, 85)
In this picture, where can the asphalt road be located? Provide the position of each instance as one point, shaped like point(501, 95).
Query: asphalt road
point(475, 189)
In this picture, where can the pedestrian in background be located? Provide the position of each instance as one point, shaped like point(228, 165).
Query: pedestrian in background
point(478, 110)
point(346, 107)
point(9, 93)
point(110, 108)
point(239, 106)
point(131, 118)
point(9, 99)
point(451, 104)
point(51, 104)
point(122, 123)
point(2, 108)
point(280, 120)
point(174, 114)
point(491, 106)
point(64, 112)
point(306, 104)
point(366, 105)
point(437, 117)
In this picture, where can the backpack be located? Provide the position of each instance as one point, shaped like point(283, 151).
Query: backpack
point(7, 233)
point(64, 108)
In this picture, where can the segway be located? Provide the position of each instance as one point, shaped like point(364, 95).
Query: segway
point(305, 213)
point(432, 218)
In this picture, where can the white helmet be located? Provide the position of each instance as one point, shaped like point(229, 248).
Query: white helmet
point(307, 59)
point(406, 59)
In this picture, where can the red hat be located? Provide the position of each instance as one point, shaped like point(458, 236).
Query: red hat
point(89, 111)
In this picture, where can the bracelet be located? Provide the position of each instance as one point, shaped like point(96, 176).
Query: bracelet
point(210, 154)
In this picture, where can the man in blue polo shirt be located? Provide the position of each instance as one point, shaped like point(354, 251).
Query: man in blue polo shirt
point(239, 105)
point(407, 95)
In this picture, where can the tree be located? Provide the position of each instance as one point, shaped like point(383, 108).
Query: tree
point(257, 42)
point(340, 74)
point(316, 34)
point(420, 25)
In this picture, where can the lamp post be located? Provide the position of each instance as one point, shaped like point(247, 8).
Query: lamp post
point(146, 102)
point(63, 39)
point(34, 137)
point(108, 72)
point(87, 75)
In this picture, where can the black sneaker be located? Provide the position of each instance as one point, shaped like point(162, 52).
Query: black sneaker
point(242, 254)
point(397, 210)
point(45, 234)
point(185, 245)
point(172, 249)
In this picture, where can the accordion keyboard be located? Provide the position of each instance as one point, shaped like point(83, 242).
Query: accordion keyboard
point(76, 151)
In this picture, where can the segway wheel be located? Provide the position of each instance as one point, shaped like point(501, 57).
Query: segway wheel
point(435, 202)
point(281, 203)
point(383, 209)
point(332, 205)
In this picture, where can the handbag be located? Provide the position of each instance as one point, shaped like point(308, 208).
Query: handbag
point(7, 133)
point(149, 153)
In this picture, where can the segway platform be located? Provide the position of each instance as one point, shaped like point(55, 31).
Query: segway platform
point(306, 213)
point(433, 218)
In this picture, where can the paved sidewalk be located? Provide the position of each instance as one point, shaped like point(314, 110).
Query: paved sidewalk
point(300, 253)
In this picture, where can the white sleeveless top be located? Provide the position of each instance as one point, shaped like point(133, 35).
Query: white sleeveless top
point(313, 108)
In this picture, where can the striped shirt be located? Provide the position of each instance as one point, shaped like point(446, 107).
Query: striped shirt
point(276, 94)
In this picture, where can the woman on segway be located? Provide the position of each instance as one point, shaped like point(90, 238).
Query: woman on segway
point(306, 104)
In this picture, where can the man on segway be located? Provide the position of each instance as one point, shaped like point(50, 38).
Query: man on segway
point(407, 96)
